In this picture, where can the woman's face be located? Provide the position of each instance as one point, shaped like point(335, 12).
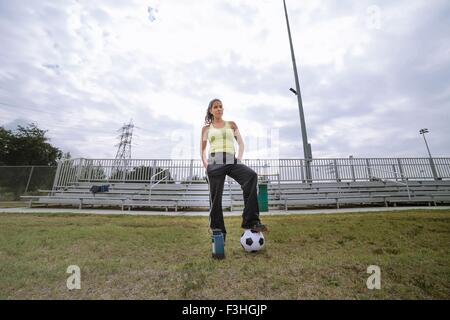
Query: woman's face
point(217, 109)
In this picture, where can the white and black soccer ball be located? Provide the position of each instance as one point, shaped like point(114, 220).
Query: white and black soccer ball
point(252, 241)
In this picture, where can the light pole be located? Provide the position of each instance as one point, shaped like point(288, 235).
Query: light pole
point(306, 146)
point(433, 168)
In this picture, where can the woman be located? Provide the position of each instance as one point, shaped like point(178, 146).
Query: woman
point(221, 162)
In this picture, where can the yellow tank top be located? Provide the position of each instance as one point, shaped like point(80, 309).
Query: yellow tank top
point(221, 139)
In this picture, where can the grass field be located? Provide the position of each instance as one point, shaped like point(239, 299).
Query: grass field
point(160, 257)
point(13, 204)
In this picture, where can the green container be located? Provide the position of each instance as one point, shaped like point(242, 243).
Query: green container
point(263, 199)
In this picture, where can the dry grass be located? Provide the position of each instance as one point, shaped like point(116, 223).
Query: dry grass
point(13, 204)
point(158, 257)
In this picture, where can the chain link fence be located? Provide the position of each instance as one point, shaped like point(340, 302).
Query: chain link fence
point(16, 181)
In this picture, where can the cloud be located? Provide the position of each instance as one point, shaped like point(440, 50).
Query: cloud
point(152, 12)
point(370, 79)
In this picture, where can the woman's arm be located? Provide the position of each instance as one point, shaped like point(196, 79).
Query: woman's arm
point(203, 143)
point(239, 140)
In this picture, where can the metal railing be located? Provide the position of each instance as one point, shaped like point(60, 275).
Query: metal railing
point(154, 184)
point(285, 170)
point(401, 183)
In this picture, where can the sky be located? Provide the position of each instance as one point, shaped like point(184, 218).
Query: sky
point(371, 73)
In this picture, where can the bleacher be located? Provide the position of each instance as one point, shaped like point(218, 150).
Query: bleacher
point(132, 195)
point(280, 196)
point(384, 193)
point(180, 184)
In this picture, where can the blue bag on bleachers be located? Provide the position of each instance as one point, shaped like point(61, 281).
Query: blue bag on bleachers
point(96, 189)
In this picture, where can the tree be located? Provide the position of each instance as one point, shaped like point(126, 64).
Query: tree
point(5, 145)
point(144, 173)
point(194, 179)
point(27, 146)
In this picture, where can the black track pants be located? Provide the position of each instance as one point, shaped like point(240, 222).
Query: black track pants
point(220, 165)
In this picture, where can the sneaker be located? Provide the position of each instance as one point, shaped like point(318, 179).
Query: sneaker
point(259, 227)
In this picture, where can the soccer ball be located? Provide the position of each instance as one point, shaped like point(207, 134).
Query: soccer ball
point(252, 241)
